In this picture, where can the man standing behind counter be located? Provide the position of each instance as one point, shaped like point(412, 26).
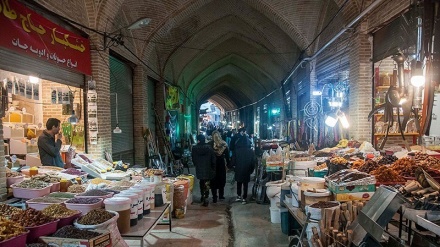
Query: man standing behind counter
point(48, 146)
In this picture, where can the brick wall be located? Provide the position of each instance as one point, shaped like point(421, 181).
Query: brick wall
point(140, 109)
point(360, 77)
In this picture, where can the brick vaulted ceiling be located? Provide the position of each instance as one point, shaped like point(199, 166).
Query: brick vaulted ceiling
point(231, 51)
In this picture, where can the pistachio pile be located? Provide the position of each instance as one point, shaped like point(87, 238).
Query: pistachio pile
point(48, 178)
point(32, 184)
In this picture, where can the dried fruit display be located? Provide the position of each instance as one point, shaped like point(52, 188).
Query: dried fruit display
point(9, 229)
point(357, 164)
point(31, 217)
point(385, 174)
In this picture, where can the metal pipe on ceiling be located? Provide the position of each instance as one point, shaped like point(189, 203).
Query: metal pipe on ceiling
point(350, 25)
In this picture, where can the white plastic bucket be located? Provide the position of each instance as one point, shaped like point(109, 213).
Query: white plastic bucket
point(295, 197)
point(121, 205)
point(274, 200)
point(275, 215)
point(147, 192)
point(141, 199)
point(133, 205)
point(318, 196)
point(310, 183)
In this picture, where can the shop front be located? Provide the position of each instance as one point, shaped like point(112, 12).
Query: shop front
point(42, 67)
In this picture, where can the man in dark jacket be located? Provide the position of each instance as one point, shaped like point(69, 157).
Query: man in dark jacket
point(204, 160)
point(244, 160)
point(49, 146)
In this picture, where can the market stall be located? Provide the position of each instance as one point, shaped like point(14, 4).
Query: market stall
point(335, 194)
point(96, 202)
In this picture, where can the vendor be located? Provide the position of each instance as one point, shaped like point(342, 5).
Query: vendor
point(49, 144)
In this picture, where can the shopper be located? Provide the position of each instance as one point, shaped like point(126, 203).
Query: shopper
point(222, 160)
point(244, 160)
point(204, 160)
point(49, 144)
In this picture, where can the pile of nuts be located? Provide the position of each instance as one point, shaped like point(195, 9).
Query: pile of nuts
point(95, 217)
point(32, 184)
point(7, 211)
point(47, 178)
point(427, 160)
point(31, 217)
point(9, 229)
point(76, 188)
point(72, 232)
point(338, 160)
point(58, 211)
point(13, 174)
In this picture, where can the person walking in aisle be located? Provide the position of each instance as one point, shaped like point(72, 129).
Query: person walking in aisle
point(244, 160)
point(204, 160)
point(222, 160)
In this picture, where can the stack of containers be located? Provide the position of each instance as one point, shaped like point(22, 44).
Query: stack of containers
point(133, 206)
point(152, 188)
point(122, 205)
point(146, 200)
point(140, 198)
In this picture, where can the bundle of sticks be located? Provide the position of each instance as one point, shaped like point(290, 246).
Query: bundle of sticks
point(334, 225)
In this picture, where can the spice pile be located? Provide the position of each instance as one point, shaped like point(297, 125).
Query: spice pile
point(58, 211)
point(95, 193)
point(9, 229)
point(31, 217)
point(48, 178)
point(73, 171)
point(7, 211)
point(48, 200)
point(32, 184)
point(61, 195)
point(95, 217)
point(76, 188)
point(72, 232)
point(84, 200)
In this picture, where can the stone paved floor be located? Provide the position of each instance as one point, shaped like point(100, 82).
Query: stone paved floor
point(223, 224)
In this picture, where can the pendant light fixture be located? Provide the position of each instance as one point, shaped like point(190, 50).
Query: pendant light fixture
point(73, 119)
point(117, 130)
point(140, 23)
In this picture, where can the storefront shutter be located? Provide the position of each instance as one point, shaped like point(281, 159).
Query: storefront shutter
point(13, 62)
point(151, 87)
point(121, 82)
point(398, 35)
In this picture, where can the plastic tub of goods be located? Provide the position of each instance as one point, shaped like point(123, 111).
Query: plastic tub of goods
point(95, 193)
point(13, 180)
point(42, 230)
point(58, 211)
point(19, 240)
point(41, 203)
point(29, 189)
point(67, 195)
point(84, 204)
point(114, 217)
point(55, 187)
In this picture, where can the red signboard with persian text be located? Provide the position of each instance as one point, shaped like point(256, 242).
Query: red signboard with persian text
point(24, 31)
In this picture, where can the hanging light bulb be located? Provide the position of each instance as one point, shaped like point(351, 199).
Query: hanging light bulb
point(117, 130)
point(331, 121)
point(343, 119)
point(418, 79)
point(34, 79)
point(73, 119)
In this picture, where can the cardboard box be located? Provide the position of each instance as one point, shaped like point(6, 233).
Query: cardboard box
point(337, 189)
point(103, 240)
point(357, 196)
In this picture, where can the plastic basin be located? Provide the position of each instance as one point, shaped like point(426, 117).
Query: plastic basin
point(68, 220)
point(99, 226)
point(110, 194)
point(55, 187)
point(27, 193)
point(84, 208)
point(42, 205)
point(42, 230)
point(12, 180)
point(19, 240)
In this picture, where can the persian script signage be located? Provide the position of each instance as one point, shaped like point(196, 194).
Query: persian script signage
point(24, 31)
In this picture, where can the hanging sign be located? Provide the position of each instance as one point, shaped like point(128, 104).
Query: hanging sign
point(27, 32)
point(172, 98)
